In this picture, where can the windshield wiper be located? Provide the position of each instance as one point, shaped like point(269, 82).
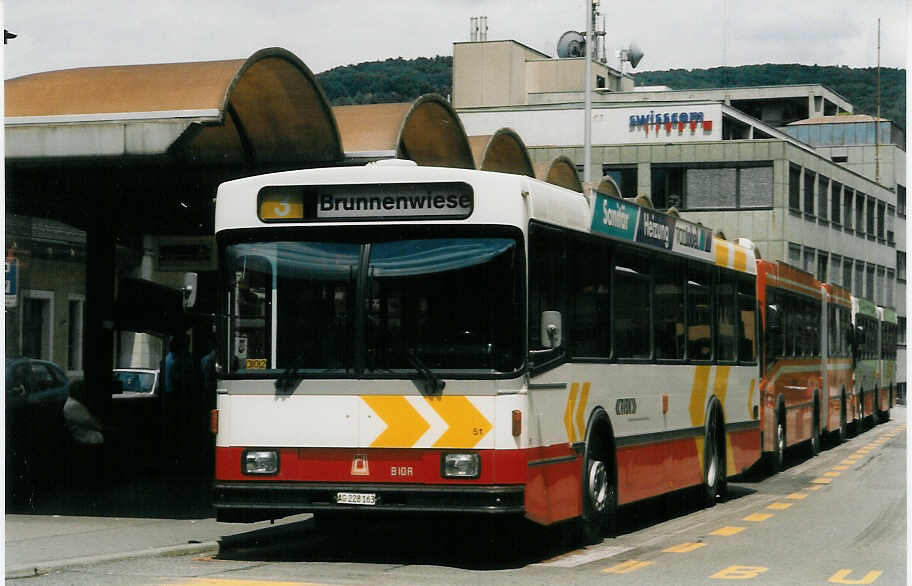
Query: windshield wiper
point(432, 383)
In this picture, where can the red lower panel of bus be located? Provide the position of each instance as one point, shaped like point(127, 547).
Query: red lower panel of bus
point(551, 475)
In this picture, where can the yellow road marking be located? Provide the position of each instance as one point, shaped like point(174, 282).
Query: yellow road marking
point(739, 573)
point(227, 582)
point(832, 473)
point(849, 461)
point(467, 426)
point(778, 506)
point(684, 548)
point(841, 467)
point(627, 567)
point(727, 531)
point(404, 425)
point(822, 480)
point(757, 517)
point(797, 496)
point(842, 577)
point(818, 486)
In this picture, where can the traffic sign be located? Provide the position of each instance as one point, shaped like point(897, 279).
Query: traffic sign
point(12, 281)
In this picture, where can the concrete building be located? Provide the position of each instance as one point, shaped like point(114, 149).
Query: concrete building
point(789, 167)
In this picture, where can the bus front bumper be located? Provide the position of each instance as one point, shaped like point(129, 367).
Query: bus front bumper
point(256, 501)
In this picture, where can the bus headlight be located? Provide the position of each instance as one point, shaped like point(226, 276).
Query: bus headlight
point(261, 462)
point(461, 466)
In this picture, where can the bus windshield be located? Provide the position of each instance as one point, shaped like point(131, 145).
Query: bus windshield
point(367, 307)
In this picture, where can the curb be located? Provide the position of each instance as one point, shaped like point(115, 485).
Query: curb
point(42, 568)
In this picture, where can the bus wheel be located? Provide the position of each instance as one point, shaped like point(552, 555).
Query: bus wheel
point(814, 442)
point(843, 426)
point(714, 458)
point(599, 487)
point(777, 458)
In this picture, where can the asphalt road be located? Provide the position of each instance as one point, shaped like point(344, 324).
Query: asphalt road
point(837, 518)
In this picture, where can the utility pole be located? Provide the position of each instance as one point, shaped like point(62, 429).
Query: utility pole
point(587, 123)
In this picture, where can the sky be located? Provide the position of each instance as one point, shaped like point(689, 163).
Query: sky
point(59, 34)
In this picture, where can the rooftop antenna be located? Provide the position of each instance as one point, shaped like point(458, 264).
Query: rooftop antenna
point(632, 54)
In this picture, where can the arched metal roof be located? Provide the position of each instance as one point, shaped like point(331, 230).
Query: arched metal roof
point(267, 109)
point(504, 151)
point(561, 171)
point(608, 186)
point(427, 131)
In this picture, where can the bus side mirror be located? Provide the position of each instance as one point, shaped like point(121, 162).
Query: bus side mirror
point(189, 290)
point(551, 329)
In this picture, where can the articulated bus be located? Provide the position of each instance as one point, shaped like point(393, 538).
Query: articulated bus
point(839, 382)
point(403, 338)
point(884, 395)
point(867, 357)
point(792, 386)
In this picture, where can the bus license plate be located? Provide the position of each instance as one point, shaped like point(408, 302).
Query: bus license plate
point(356, 498)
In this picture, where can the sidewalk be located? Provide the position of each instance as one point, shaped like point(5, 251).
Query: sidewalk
point(144, 516)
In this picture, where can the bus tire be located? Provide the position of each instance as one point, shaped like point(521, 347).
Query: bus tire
point(714, 480)
point(814, 441)
point(599, 482)
point(776, 459)
point(843, 425)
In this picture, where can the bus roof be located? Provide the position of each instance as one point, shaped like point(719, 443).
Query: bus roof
point(396, 191)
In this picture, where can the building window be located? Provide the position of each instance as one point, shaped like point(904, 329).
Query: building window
point(847, 273)
point(900, 201)
point(809, 177)
point(823, 190)
point(667, 187)
point(836, 203)
point(625, 177)
point(794, 255)
point(891, 284)
point(901, 266)
point(869, 282)
point(859, 279)
point(76, 324)
point(891, 222)
point(822, 262)
point(711, 188)
point(809, 254)
point(870, 218)
point(881, 276)
point(859, 213)
point(847, 208)
point(38, 324)
point(881, 220)
point(901, 331)
point(794, 188)
point(755, 187)
point(836, 263)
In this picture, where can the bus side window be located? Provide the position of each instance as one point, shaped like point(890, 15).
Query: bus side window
point(726, 326)
point(590, 324)
point(699, 312)
point(747, 320)
point(547, 279)
point(632, 306)
point(669, 309)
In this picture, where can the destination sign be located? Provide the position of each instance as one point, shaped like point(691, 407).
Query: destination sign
point(616, 218)
point(405, 201)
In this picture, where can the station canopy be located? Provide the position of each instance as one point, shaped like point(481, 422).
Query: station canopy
point(427, 131)
point(504, 152)
point(263, 111)
point(561, 171)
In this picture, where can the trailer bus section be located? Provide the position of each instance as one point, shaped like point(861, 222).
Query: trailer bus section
point(404, 338)
point(867, 351)
point(888, 329)
point(839, 412)
point(792, 373)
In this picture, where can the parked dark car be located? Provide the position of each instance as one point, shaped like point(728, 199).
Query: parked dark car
point(35, 393)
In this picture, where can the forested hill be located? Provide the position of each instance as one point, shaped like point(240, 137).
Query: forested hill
point(858, 86)
point(403, 80)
